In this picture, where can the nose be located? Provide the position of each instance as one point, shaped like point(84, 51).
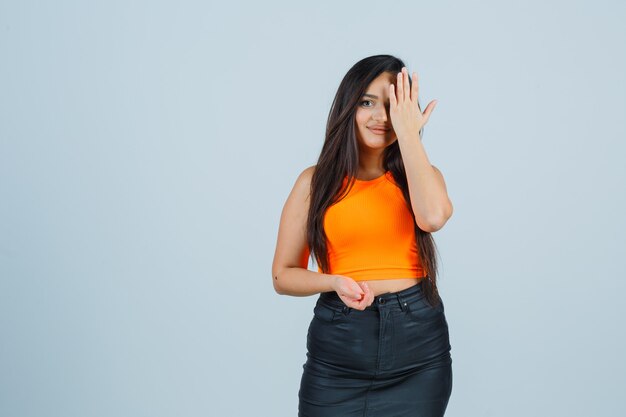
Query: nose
point(380, 114)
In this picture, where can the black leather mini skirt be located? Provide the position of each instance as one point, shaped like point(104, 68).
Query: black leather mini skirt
point(391, 359)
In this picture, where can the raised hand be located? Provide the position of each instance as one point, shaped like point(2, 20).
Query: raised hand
point(406, 117)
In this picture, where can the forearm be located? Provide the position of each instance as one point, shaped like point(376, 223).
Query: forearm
point(429, 198)
point(301, 282)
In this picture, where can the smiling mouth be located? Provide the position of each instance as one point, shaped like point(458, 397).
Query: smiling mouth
point(378, 131)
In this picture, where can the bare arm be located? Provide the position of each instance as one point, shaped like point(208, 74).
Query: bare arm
point(427, 188)
point(301, 282)
point(289, 268)
point(290, 275)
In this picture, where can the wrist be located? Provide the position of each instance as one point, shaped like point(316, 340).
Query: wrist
point(332, 282)
point(410, 137)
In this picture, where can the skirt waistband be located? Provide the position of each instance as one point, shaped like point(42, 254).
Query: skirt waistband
point(398, 298)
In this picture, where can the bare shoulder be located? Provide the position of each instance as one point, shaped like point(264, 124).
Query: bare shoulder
point(303, 182)
point(307, 174)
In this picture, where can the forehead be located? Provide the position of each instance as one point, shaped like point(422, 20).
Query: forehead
point(381, 83)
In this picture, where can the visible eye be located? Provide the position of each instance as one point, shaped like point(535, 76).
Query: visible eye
point(365, 101)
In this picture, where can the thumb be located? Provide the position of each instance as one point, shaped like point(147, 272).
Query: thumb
point(358, 293)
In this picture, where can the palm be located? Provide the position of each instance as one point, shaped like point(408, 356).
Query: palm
point(406, 116)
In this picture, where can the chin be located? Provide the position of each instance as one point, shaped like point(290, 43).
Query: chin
point(375, 141)
point(378, 145)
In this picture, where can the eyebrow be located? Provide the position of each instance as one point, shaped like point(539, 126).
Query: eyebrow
point(370, 95)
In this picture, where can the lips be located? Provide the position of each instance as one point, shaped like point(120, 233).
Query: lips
point(379, 130)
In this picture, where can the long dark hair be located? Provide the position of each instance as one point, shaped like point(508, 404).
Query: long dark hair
point(340, 157)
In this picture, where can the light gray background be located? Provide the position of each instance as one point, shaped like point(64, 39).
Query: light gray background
point(147, 149)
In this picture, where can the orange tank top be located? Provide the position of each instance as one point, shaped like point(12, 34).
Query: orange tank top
point(371, 233)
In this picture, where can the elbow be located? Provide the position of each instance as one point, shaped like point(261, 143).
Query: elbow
point(276, 282)
point(429, 227)
point(277, 288)
point(435, 223)
point(434, 226)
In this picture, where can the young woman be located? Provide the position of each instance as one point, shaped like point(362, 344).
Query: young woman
point(378, 342)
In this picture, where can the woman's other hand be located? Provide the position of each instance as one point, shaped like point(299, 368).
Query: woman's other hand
point(354, 294)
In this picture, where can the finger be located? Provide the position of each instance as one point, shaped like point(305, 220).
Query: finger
point(368, 292)
point(392, 96)
point(354, 304)
point(360, 291)
point(406, 85)
point(429, 109)
point(414, 88)
point(355, 294)
point(400, 88)
point(366, 299)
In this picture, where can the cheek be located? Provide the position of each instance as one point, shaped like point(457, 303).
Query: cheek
point(362, 117)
